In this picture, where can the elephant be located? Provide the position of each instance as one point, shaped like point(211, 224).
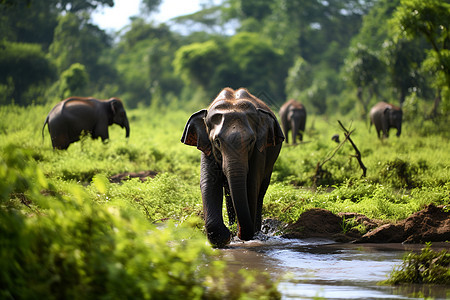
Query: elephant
point(293, 117)
point(240, 140)
point(70, 117)
point(385, 116)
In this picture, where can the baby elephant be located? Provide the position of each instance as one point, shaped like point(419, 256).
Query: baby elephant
point(385, 116)
point(70, 117)
point(293, 117)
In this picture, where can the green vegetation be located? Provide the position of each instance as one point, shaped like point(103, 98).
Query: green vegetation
point(61, 211)
point(80, 244)
point(429, 267)
point(61, 215)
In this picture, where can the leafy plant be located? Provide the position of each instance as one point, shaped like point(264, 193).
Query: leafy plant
point(73, 247)
point(428, 266)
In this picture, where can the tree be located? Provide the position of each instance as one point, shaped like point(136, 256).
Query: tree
point(73, 81)
point(28, 22)
point(244, 60)
point(431, 20)
point(364, 69)
point(198, 62)
point(22, 67)
point(35, 21)
point(78, 41)
point(143, 59)
point(262, 67)
point(150, 6)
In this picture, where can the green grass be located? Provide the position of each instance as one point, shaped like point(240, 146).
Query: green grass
point(403, 174)
point(44, 189)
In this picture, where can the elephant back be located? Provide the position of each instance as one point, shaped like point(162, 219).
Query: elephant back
point(240, 98)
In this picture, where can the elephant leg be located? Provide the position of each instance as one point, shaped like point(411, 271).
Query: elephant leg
point(211, 184)
point(262, 192)
point(286, 134)
point(101, 130)
point(60, 140)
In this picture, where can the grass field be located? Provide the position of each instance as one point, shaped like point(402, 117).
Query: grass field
point(44, 189)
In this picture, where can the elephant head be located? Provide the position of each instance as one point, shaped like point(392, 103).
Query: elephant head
point(393, 119)
point(118, 115)
point(240, 139)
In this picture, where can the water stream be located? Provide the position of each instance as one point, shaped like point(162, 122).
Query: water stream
point(311, 269)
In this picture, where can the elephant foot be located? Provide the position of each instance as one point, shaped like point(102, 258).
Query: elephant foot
point(219, 237)
point(245, 235)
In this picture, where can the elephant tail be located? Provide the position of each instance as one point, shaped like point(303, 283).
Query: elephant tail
point(43, 127)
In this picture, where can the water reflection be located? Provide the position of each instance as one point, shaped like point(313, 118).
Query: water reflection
point(311, 269)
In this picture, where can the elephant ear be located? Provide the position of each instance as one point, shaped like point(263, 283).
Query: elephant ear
point(269, 133)
point(195, 133)
point(115, 105)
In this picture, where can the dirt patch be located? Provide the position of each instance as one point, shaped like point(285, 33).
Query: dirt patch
point(143, 175)
point(431, 224)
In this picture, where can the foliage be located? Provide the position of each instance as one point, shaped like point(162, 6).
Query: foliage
point(364, 68)
point(48, 197)
point(77, 41)
point(69, 246)
point(242, 61)
point(429, 267)
point(73, 81)
point(430, 20)
point(23, 67)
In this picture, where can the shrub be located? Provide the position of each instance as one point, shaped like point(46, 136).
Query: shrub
point(429, 267)
point(73, 247)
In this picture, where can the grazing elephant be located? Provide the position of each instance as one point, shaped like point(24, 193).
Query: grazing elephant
point(70, 117)
point(240, 140)
point(385, 116)
point(293, 117)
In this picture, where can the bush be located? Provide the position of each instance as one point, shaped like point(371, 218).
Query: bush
point(429, 267)
point(72, 247)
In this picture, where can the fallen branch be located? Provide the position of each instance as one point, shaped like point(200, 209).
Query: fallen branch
point(358, 154)
point(319, 170)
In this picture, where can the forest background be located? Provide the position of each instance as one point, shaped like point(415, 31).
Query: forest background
point(67, 230)
point(334, 56)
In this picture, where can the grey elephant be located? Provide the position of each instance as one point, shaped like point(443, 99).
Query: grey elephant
point(385, 116)
point(293, 118)
point(70, 117)
point(240, 140)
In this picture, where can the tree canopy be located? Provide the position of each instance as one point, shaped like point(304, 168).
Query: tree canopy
point(329, 55)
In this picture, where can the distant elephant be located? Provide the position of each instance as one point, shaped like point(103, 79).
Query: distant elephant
point(385, 116)
point(240, 140)
point(293, 118)
point(70, 117)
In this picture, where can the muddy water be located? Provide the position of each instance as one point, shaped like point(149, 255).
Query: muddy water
point(311, 269)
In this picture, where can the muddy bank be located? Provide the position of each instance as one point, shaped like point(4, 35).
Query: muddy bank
point(432, 224)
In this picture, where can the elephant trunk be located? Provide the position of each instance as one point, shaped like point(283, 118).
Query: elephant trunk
point(236, 174)
point(127, 128)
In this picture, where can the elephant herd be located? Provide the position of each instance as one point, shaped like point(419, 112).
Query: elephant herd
point(239, 138)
